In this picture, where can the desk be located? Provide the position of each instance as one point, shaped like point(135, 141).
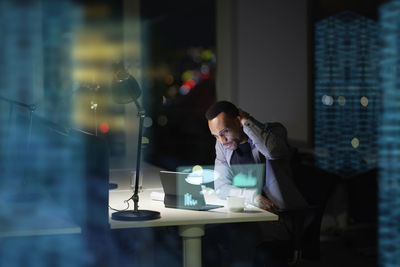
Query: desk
point(190, 223)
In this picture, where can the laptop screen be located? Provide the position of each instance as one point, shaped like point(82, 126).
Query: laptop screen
point(180, 193)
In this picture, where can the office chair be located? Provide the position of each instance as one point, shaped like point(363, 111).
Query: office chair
point(316, 186)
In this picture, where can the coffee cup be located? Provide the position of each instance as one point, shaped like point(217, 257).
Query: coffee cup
point(235, 203)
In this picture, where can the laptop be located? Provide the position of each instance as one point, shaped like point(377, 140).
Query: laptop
point(180, 194)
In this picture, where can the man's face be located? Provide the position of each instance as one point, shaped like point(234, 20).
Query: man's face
point(227, 130)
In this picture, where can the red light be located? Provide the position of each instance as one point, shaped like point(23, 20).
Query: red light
point(104, 127)
point(205, 75)
point(190, 83)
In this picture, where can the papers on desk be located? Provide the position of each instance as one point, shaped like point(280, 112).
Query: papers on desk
point(157, 196)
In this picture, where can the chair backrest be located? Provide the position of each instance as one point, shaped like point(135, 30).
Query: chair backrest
point(316, 186)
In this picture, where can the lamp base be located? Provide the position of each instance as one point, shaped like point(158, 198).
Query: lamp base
point(140, 215)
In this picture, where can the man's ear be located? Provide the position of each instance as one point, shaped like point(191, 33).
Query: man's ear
point(239, 121)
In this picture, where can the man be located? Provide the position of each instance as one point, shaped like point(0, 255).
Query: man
point(243, 140)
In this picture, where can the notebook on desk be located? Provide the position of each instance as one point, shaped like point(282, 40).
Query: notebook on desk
point(182, 195)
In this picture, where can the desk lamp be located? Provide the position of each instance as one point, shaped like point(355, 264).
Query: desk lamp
point(125, 89)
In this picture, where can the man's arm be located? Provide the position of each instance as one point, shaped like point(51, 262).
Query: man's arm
point(270, 139)
point(224, 176)
point(224, 188)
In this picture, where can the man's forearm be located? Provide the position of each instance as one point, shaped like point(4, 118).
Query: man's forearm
point(226, 190)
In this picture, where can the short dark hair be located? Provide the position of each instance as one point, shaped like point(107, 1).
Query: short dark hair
point(222, 106)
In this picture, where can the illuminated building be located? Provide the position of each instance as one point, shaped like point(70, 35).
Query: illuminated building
point(389, 142)
point(347, 97)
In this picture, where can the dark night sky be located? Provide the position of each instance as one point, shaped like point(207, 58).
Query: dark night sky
point(178, 24)
point(324, 8)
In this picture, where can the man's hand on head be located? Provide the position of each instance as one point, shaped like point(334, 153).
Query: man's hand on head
point(243, 116)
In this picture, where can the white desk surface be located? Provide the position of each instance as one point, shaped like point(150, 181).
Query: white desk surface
point(175, 217)
point(170, 216)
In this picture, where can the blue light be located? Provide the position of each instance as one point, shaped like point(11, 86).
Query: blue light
point(42, 173)
point(201, 177)
point(389, 142)
point(189, 201)
point(346, 69)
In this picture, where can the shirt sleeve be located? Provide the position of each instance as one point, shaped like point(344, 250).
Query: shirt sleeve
point(223, 177)
point(270, 139)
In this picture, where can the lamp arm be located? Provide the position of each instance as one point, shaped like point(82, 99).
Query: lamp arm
point(31, 107)
point(141, 115)
point(139, 108)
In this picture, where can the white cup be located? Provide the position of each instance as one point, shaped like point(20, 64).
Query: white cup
point(235, 204)
point(133, 180)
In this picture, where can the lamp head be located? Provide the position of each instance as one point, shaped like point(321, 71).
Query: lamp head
point(125, 88)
